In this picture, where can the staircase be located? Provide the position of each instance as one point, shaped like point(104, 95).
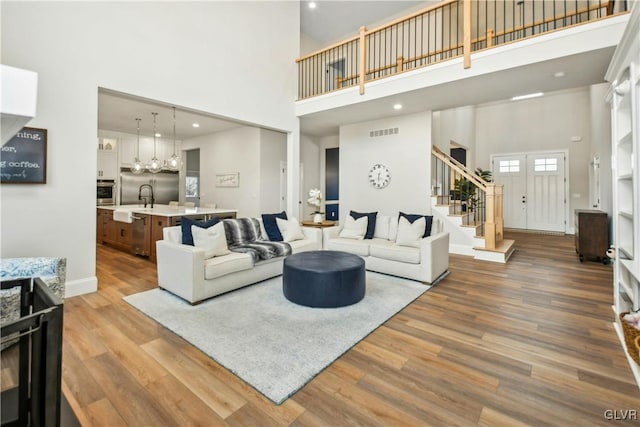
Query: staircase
point(470, 209)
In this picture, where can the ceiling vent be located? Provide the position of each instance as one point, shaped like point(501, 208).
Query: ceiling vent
point(383, 132)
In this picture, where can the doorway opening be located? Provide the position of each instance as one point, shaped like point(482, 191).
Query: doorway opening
point(192, 177)
point(333, 72)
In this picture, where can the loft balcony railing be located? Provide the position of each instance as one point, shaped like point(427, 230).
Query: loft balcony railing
point(447, 30)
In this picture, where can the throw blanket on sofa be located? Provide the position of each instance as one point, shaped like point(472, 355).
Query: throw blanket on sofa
point(244, 235)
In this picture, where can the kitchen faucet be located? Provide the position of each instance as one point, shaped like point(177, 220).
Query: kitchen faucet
point(147, 197)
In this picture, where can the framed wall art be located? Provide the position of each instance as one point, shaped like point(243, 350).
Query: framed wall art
point(228, 180)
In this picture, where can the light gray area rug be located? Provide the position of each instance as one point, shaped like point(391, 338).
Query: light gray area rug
point(274, 345)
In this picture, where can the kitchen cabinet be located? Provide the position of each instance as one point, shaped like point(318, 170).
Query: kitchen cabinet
point(158, 223)
point(107, 164)
point(127, 147)
point(592, 234)
point(99, 225)
point(109, 231)
point(140, 236)
point(113, 233)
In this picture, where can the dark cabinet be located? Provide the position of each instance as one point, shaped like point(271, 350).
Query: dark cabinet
point(592, 234)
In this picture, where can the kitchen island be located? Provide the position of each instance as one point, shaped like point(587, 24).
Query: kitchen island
point(135, 228)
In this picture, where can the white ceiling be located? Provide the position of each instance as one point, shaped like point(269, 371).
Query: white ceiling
point(117, 112)
point(333, 20)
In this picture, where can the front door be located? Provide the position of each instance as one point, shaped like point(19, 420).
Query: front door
point(534, 190)
point(511, 173)
point(545, 192)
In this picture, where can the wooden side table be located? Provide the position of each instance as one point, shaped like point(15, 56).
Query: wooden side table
point(322, 224)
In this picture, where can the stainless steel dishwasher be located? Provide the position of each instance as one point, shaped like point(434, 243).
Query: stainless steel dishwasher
point(139, 235)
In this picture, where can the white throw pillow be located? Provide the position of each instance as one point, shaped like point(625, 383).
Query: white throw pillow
point(212, 239)
point(410, 234)
point(290, 229)
point(393, 228)
point(355, 228)
point(382, 227)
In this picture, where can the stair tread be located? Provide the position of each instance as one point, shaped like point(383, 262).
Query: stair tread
point(504, 247)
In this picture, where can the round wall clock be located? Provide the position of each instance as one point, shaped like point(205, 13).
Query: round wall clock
point(379, 176)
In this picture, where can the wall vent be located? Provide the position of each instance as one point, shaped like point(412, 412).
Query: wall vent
point(383, 132)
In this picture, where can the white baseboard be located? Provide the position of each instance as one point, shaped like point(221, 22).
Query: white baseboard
point(83, 286)
point(461, 249)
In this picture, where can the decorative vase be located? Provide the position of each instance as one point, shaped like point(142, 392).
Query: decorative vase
point(317, 218)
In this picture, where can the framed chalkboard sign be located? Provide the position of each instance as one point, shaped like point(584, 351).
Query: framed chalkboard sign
point(23, 159)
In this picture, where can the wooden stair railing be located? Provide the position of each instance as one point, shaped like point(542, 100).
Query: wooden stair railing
point(492, 222)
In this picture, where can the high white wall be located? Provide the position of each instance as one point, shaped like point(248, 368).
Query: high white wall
point(541, 124)
point(225, 58)
point(456, 125)
point(234, 150)
point(253, 152)
point(273, 151)
point(407, 155)
point(310, 158)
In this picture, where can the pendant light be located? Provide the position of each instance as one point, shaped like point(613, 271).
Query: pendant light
point(137, 167)
point(174, 161)
point(154, 165)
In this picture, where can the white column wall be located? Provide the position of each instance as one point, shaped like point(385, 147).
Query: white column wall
point(273, 150)
point(407, 155)
point(310, 153)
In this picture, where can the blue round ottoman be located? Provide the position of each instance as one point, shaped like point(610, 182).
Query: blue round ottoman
point(323, 279)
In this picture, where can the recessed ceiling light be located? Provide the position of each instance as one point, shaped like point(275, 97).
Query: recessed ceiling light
point(559, 74)
point(527, 96)
point(397, 107)
point(312, 5)
point(195, 125)
point(158, 135)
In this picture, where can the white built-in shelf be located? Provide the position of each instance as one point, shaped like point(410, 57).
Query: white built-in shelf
point(626, 288)
point(626, 139)
point(624, 214)
point(632, 267)
point(628, 252)
point(624, 75)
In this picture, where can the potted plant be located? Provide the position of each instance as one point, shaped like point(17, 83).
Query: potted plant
point(315, 200)
point(473, 200)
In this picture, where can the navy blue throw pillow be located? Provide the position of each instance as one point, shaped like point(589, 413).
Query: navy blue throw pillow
point(271, 227)
point(371, 222)
point(186, 223)
point(412, 217)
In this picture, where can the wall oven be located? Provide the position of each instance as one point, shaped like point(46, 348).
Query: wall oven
point(106, 192)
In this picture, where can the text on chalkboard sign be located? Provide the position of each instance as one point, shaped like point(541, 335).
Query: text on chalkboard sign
point(23, 159)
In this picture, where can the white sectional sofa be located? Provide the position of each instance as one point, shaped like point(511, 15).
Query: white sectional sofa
point(425, 261)
point(184, 271)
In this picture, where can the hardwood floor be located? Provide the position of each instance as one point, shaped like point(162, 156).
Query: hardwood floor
point(526, 343)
